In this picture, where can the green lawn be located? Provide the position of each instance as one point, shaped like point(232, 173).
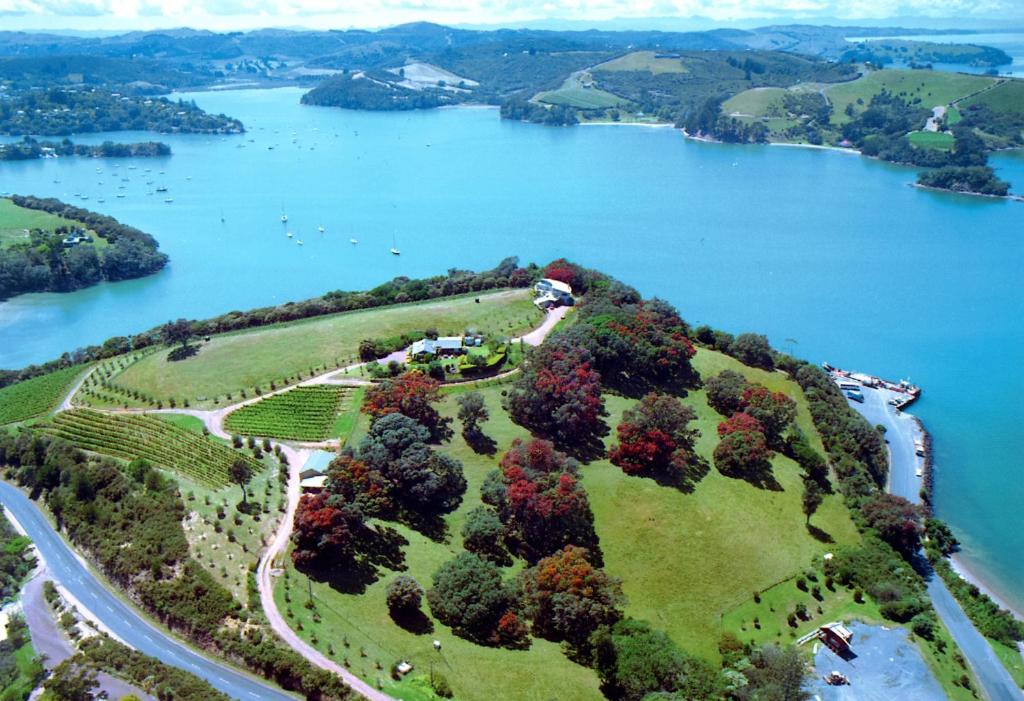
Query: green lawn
point(581, 98)
point(14, 220)
point(1007, 97)
point(233, 362)
point(932, 139)
point(703, 554)
point(643, 61)
point(22, 685)
point(932, 87)
point(757, 102)
point(1012, 660)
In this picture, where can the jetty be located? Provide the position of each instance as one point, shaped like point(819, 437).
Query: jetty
point(906, 393)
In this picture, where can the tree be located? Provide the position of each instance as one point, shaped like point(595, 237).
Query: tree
point(775, 674)
point(469, 595)
point(774, 410)
point(558, 396)
point(326, 531)
point(484, 534)
point(724, 391)
point(174, 332)
point(568, 598)
point(472, 412)
point(745, 455)
point(404, 594)
point(634, 660)
point(540, 501)
point(655, 437)
point(812, 498)
point(753, 349)
point(739, 422)
point(71, 682)
point(241, 474)
point(412, 394)
point(896, 520)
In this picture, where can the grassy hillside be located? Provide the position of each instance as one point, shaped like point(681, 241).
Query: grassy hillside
point(929, 88)
point(759, 102)
point(581, 98)
point(644, 61)
point(14, 220)
point(703, 553)
point(1005, 97)
point(932, 139)
point(240, 361)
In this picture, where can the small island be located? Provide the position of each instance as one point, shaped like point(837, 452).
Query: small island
point(28, 149)
point(49, 246)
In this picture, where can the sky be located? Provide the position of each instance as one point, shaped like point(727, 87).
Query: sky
point(84, 15)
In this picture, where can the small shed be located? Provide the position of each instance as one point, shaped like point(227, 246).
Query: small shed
point(836, 637)
point(314, 485)
point(316, 464)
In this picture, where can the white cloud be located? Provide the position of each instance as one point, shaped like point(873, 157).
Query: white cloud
point(221, 14)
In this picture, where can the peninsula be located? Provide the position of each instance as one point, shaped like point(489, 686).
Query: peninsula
point(432, 459)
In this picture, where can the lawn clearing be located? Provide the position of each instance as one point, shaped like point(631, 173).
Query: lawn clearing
point(581, 98)
point(934, 88)
point(940, 140)
point(348, 416)
point(130, 436)
point(643, 61)
point(37, 396)
point(1005, 97)
point(283, 354)
point(14, 220)
point(303, 414)
point(756, 102)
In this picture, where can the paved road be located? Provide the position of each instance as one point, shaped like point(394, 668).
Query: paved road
point(49, 640)
point(996, 683)
point(122, 620)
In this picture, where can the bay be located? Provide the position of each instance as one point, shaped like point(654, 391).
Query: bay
point(832, 255)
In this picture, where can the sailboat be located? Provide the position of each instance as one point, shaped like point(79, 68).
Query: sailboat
point(394, 247)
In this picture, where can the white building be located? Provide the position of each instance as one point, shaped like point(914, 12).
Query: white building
point(552, 293)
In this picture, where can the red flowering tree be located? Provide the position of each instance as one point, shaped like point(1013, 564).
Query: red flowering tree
point(655, 438)
point(326, 531)
point(558, 396)
point(897, 521)
point(774, 410)
point(739, 421)
point(745, 455)
point(540, 500)
point(413, 394)
point(357, 483)
point(571, 274)
point(568, 598)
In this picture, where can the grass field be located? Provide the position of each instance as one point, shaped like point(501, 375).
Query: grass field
point(1012, 660)
point(233, 362)
point(643, 61)
point(37, 396)
point(757, 102)
point(14, 220)
point(932, 139)
point(704, 553)
point(1007, 97)
point(22, 684)
point(932, 87)
point(581, 98)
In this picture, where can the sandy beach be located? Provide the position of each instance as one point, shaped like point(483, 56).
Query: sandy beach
point(649, 125)
point(819, 147)
point(961, 569)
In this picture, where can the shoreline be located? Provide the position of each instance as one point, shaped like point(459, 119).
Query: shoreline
point(1010, 197)
point(819, 147)
point(969, 575)
point(648, 125)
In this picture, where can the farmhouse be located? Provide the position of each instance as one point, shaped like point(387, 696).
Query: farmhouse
point(445, 345)
point(552, 293)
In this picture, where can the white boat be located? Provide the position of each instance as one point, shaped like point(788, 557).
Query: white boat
point(169, 200)
point(120, 194)
point(353, 241)
point(161, 189)
point(289, 234)
point(299, 241)
point(321, 229)
point(394, 247)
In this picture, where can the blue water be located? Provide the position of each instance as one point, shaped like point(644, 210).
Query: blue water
point(832, 255)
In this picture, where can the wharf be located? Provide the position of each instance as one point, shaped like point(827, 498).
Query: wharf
point(906, 393)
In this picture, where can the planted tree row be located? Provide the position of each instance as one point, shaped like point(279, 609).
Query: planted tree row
point(304, 414)
point(137, 436)
point(36, 396)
